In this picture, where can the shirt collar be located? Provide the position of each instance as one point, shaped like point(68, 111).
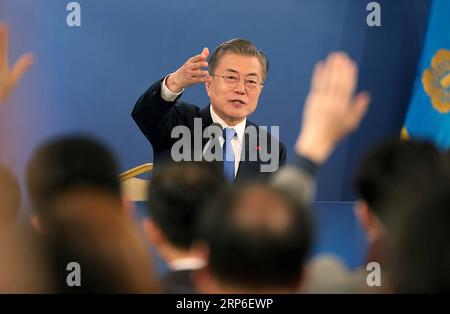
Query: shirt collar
point(239, 128)
point(187, 263)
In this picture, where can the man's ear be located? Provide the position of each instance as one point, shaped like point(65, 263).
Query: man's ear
point(152, 231)
point(35, 223)
point(365, 218)
point(208, 85)
point(362, 213)
point(202, 278)
point(203, 281)
point(200, 250)
point(128, 206)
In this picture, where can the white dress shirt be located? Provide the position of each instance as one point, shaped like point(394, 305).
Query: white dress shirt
point(168, 95)
point(187, 263)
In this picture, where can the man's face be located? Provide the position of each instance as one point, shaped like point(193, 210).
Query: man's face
point(234, 102)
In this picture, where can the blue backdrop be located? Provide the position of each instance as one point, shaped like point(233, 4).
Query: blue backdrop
point(87, 79)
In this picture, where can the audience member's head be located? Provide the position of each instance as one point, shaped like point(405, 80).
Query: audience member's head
point(176, 195)
point(88, 227)
point(256, 241)
point(75, 194)
point(65, 163)
point(9, 197)
point(420, 249)
point(390, 172)
point(23, 268)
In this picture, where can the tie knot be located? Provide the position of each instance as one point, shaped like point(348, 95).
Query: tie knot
point(228, 134)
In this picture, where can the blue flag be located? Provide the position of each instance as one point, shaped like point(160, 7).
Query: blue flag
point(428, 116)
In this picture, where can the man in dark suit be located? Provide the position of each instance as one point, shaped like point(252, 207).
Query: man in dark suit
point(234, 81)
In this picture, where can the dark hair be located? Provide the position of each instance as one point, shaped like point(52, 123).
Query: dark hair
point(257, 237)
point(238, 46)
point(176, 195)
point(420, 250)
point(69, 162)
point(9, 196)
point(394, 166)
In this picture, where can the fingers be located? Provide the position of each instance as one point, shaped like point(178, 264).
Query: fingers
point(200, 57)
point(331, 72)
point(21, 66)
point(359, 108)
point(339, 75)
point(196, 58)
point(3, 46)
point(197, 62)
point(347, 78)
point(194, 72)
point(205, 52)
point(198, 74)
point(316, 81)
point(198, 65)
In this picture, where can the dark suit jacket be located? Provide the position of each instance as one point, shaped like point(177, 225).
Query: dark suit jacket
point(156, 118)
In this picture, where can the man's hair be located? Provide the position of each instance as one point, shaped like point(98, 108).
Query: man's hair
point(176, 195)
point(257, 237)
point(69, 162)
point(9, 196)
point(420, 249)
point(241, 47)
point(396, 166)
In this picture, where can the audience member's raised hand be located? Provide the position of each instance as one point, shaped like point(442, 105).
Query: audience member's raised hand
point(9, 77)
point(332, 110)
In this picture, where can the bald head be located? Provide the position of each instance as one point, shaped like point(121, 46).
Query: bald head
point(258, 238)
point(260, 209)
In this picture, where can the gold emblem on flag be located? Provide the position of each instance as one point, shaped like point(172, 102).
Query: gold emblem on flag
point(436, 81)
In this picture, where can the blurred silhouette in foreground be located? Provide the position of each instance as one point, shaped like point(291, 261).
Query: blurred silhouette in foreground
point(256, 240)
point(79, 213)
point(176, 195)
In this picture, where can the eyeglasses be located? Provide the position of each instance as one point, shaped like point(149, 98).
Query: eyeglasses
point(233, 79)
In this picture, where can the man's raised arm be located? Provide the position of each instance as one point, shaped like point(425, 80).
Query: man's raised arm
point(154, 112)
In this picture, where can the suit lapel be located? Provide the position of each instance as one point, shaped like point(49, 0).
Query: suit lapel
point(207, 120)
point(205, 114)
point(247, 168)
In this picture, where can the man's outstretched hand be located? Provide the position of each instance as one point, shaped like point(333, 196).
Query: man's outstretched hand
point(10, 77)
point(332, 110)
point(189, 73)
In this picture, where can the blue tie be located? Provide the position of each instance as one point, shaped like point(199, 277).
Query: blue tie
point(228, 154)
